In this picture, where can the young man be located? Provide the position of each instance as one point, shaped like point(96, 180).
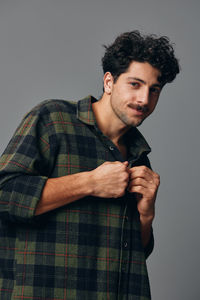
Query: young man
point(77, 193)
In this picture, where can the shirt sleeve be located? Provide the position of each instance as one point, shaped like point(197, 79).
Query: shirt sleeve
point(24, 168)
point(149, 248)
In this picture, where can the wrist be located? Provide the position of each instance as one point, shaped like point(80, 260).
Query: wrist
point(146, 229)
point(90, 183)
point(146, 220)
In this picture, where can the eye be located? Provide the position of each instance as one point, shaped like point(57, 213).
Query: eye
point(155, 90)
point(135, 84)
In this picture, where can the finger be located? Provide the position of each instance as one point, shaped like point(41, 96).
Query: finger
point(140, 170)
point(139, 182)
point(140, 174)
point(137, 189)
point(143, 172)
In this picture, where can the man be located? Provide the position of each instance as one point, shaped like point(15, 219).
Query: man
point(77, 193)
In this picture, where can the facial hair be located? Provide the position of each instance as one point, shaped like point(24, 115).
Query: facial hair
point(140, 108)
point(130, 122)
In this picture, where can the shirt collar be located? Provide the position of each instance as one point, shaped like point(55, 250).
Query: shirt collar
point(84, 110)
point(136, 142)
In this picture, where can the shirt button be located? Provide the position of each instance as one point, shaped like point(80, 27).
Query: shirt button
point(125, 244)
point(124, 268)
point(111, 148)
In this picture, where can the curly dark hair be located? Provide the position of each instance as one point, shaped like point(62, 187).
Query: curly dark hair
point(133, 46)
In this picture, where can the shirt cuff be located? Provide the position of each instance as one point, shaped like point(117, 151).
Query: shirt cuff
point(149, 248)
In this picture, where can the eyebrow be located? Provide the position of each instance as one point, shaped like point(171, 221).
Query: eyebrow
point(142, 81)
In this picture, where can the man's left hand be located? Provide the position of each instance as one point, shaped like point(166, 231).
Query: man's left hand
point(144, 182)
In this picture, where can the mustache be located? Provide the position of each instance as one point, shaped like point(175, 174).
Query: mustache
point(138, 107)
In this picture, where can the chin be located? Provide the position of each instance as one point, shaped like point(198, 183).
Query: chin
point(137, 123)
point(132, 121)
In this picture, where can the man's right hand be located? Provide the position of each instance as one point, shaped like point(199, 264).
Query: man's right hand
point(110, 179)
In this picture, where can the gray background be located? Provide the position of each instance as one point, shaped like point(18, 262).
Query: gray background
point(53, 49)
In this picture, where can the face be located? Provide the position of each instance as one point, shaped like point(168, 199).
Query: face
point(134, 95)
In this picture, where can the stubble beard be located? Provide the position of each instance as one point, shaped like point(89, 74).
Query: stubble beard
point(128, 121)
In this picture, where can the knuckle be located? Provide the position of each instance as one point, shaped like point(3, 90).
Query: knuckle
point(124, 169)
point(121, 193)
point(125, 176)
point(157, 179)
point(156, 175)
point(122, 166)
point(144, 168)
point(131, 189)
point(154, 186)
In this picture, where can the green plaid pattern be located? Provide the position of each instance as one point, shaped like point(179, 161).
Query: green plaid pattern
point(89, 249)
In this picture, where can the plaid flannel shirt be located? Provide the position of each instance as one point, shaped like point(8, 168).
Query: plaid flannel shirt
point(89, 249)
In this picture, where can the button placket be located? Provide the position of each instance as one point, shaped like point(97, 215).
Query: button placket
point(125, 254)
point(125, 243)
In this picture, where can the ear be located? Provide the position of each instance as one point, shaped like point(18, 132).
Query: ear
point(108, 82)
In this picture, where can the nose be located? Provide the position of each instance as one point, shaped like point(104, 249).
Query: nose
point(143, 97)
